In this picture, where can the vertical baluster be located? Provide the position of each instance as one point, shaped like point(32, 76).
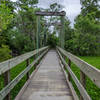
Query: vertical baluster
point(6, 82)
point(27, 64)
point(69, 65)
point(83, 81)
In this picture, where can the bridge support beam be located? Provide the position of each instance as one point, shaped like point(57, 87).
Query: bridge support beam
point(37, 35)
point(45, 36)
point(62, 33)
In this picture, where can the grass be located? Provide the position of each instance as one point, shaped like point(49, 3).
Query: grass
point(14, 72)
point(92, 89)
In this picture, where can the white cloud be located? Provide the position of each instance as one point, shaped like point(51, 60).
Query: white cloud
point(72, 7)
point(14, 0)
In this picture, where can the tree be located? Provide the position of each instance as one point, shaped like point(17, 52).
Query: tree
point(87, 29)
point(52, 40)
point(56, 7)
point(20, 32)
point(5, 15)
point(5, 53)
point(89, 6)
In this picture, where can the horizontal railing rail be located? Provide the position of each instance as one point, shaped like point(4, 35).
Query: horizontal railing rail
point(85, 70)
point(9, 85)
point(89, 70)
point(9, 64)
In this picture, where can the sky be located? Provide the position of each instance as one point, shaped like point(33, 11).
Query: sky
point(72, 7)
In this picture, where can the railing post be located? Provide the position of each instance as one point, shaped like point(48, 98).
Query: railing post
point(69, 65)
point(62, 33)
point(27, 64)
point(83, 81)
point(6, 82)
point(38, 33)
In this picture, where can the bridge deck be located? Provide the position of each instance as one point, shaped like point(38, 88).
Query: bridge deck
point(49, 81)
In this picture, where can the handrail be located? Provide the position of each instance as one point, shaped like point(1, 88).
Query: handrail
point(92, 72)
point(10, 86)
point(82, 90)
point(9, 64)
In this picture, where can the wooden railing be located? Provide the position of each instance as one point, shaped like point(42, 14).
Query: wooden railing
point(85, 70)
point(9, 64)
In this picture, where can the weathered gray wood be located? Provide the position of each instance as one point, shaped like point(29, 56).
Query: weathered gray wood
point(62, 34)
point(75, 97)
point(27, 83)
point(53, 24)
point(37, 35)
point(27, 64)
point(49, 82)
point(89, 70)
point(10, 86)
point(6, 82)
point(78, 84)
point(72, 90)
point(39, 13)
point(83, 81)
point(9, 64)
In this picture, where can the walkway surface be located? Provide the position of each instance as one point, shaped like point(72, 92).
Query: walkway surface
point(49, 81)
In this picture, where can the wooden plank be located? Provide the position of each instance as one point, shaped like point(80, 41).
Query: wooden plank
point(89, 70)
point(53, 24)
point(9, 64)
point(78, 84)
point(72, 90)
point(83, 81)
point(75, 97)
point(49, 82)
point(11, 85)
point(40, 13)
point(27, 83)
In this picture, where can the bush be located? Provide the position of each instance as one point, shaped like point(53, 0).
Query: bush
point(5, 53)
point(52, 40)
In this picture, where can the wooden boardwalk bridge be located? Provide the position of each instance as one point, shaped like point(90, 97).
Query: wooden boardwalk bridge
point(49, 81)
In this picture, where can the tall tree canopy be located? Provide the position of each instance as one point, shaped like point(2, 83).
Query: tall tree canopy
point(5, 14)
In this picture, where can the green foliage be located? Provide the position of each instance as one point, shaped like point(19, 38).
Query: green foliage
point(84, 39)
point(14, 72)
point(5, 53)
point(92, 89)
point(5, 15)
point(89, 6)
point(2, 40)
point(19, 43)
point(87, 29)
point(55, 7)
point(52, 40)
point(19, 33)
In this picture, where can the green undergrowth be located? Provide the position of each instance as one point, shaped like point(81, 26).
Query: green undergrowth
point(91, 89)
point(15, 72)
